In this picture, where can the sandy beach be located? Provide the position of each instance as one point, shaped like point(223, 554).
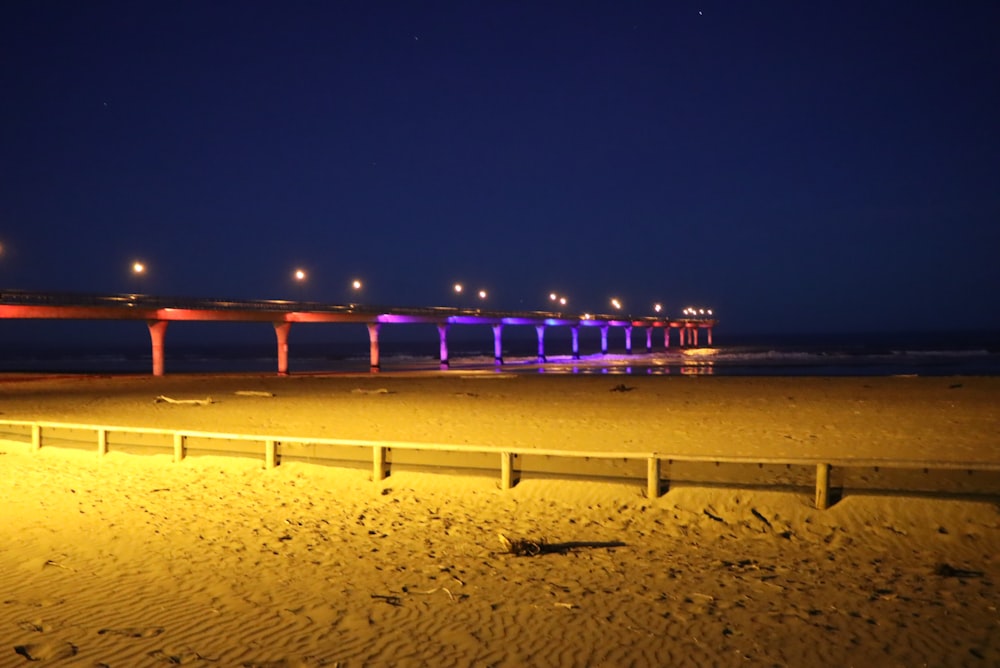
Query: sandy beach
point(133, 560)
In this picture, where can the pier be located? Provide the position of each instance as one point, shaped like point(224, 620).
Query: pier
point(159, 312)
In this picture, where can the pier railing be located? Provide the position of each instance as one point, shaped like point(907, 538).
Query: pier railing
point(510, 462)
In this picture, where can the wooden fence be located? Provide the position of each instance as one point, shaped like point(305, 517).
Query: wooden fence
point(274, 449)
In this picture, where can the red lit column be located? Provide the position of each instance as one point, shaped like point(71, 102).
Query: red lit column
point(576, 342)
point(628, 340)
point(604, 340)
point(695, 332)
point(443, 335)
point(666, 336)
point(497, 344)
point(157, 332)
point(281, 334)
point(681, 335)
point(373, 328)
point(541, 342)
point(709, 336)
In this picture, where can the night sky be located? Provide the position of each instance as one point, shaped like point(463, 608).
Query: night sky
point(797, 166)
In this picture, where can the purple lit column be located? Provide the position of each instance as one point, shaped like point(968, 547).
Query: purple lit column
point(443, 335)
point(666, 336)
point(628, 340)
point(649, 339)
point(541, 342)
point(373, 328)
point(497, 344)
point(576, 342)
point(281, 334)
point(157, 332)
point(604, 340)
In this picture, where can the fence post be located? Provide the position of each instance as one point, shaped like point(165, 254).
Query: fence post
point(270, 454)
point(102, 441)
point(653, 477)
point(822, 486)
point(36, 436)
point(178, 447)
point(506, 470)
point(378, 463)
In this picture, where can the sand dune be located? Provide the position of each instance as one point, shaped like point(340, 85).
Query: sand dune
point(131, 560)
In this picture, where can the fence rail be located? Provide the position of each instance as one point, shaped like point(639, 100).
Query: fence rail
point(272, 449)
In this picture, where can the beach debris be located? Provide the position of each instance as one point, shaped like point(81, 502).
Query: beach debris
point(948, 571)
point(713, 515)
point(621, 387)
point(388, 598)
point(254, 393)
point(761, 517)
point(194, 402)
point(56, 564)
point(377, 390)
point(521, 547)
point(434, 591)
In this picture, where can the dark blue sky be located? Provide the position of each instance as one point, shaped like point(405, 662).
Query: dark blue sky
point(799, 166)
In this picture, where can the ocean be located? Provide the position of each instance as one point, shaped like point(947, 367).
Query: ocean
point(872, 354)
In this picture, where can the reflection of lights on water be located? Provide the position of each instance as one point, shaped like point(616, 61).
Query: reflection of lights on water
point(699, 352)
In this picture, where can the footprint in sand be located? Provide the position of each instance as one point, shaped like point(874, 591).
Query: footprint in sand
point(178, 658)
point(35, 627)
point(47, 651)
point(149, 632)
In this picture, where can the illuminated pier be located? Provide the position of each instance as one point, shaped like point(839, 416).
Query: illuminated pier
point(159, 312)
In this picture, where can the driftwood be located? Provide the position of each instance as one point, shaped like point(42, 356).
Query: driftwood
point(196, 402)
point(253, 393)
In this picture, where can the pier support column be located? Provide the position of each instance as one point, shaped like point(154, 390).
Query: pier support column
point(281, 334)
point(709, 336)
point(695, 332)
point(604, 340)
point(575, 331)
point(157, 332)
point(497, 344)
point(628, 340)
point(373, 328)
point(541, 342)
point(649, 339)
point(666, 337)
point(443, 335)
point(680, 336)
